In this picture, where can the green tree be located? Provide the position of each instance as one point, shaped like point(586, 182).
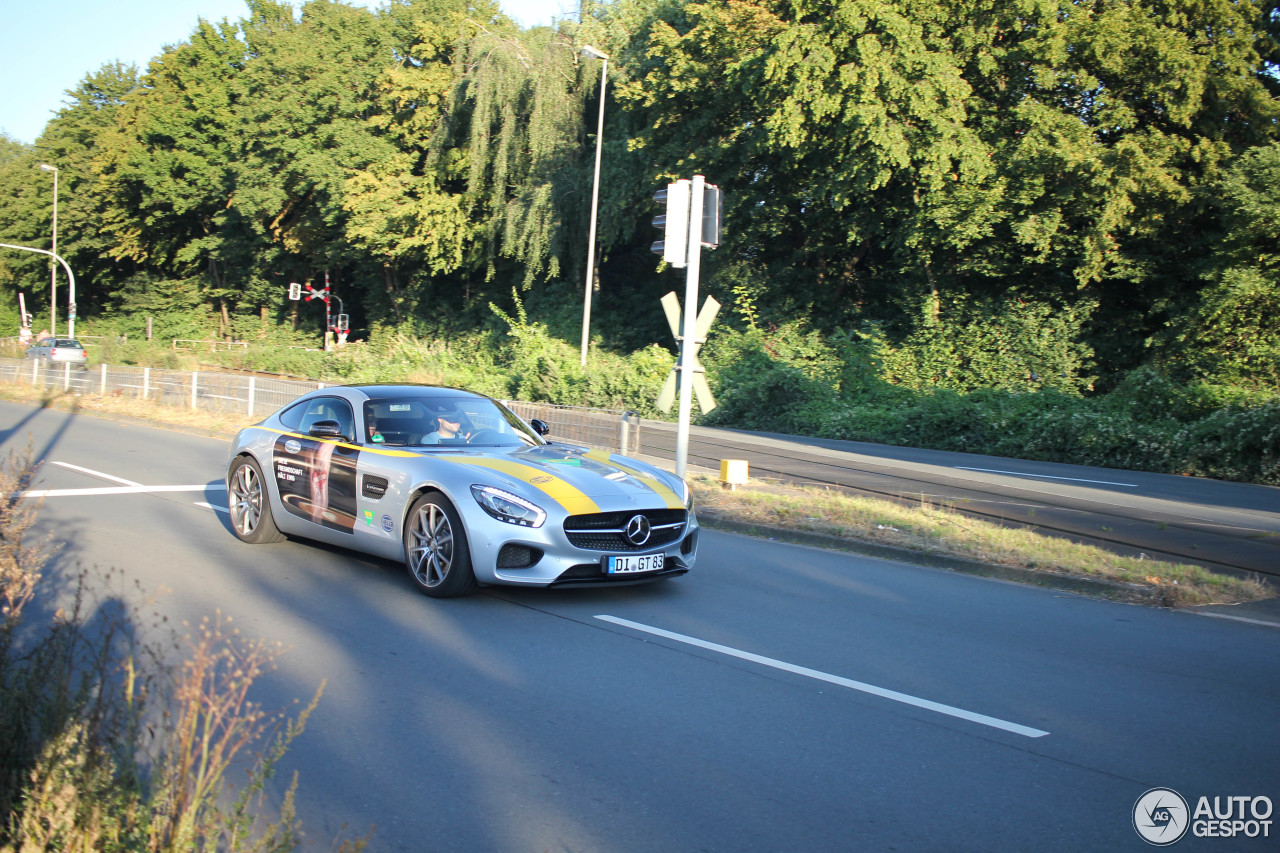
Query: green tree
point(515, 146)
point(400, 209)
point(25, 209)
point(168, 165)
point(301, 106)
point(884, 156)
point(1233, 335)
point(72, 141)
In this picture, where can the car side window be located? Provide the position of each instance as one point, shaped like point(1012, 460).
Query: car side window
point(302, 417)
point(292, 416)
point(345, 417)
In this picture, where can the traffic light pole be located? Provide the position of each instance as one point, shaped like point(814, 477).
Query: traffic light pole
point(328, 322)
point(71, 283)
point(687, 345)
point(690, 220)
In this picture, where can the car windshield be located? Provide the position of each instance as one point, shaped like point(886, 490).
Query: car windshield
point(444, 422)
point(66, 342)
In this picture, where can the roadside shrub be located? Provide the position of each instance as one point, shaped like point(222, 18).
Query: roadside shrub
point(1015, 346)
point(103, 746)
point(781, 380)
point(630, 382)
point(1149, 395)
point(862, 354)
point(541, 368)
point(790, 379)
point(1234, 444)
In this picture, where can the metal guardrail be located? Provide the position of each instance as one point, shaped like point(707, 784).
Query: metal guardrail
point(605, 428)
point(259, 396)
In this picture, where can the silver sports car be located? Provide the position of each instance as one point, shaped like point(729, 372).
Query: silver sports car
point(460, 488)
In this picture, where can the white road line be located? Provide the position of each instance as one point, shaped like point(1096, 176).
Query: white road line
point(213, 506)
point(116, 490)
point(927, 705)
point(1047, 477)
point(98, 474)
point(1235, 618)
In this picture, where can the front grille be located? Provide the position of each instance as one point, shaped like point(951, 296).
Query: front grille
point(605, 531)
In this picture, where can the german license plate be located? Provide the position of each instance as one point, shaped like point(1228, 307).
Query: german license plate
point(633, 563)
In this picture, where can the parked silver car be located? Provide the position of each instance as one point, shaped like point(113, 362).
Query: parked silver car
point(459, 488)
point(58, 351)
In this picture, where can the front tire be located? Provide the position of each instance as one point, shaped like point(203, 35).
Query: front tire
point(250, 504)
point(435, 549)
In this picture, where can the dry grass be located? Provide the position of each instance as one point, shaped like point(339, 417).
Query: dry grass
point(85, 764)
point(924, 528)
point(130, 408)
point(938, 531)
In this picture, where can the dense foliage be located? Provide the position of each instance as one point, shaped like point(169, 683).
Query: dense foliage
point(927, 201)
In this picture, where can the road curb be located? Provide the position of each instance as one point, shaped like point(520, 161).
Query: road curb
point(1080, 585)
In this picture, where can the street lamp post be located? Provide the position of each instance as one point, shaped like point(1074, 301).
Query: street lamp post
point(588, 50)
point(53, 266)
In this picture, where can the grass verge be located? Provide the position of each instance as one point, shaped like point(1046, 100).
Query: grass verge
point(939, 532)
point(923, 529)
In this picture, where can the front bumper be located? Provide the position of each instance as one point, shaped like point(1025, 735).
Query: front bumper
point(559, 562)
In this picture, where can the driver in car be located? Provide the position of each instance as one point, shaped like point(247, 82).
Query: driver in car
point(448, 426)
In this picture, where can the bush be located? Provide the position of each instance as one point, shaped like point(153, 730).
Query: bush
point(1018, 346)
point(84, 765)
point(541, 368)
point(1234, 444)
point(782, 380)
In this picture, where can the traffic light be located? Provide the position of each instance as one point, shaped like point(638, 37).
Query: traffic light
point(295, 291)
point(712, 215)
point(674, 221)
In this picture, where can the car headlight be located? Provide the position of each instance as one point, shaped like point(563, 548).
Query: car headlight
point(507, 507)
point(687, 495)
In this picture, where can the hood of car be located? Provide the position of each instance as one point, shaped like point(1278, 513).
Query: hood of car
point(579, 479)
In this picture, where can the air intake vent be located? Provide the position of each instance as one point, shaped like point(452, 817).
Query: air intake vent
point(518, 557)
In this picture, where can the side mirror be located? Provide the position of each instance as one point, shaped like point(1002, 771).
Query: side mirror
point(326, 429)
point(539, 426)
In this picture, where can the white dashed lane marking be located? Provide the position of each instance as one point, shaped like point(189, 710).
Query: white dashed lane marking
point(926, 704)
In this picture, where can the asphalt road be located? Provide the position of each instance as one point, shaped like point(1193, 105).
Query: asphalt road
point(1230, 527)
point(776, 698)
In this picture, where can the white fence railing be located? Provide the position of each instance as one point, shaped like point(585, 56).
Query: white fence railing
point(259, 396)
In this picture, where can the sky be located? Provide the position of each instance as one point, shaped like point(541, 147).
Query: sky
point(46, 50)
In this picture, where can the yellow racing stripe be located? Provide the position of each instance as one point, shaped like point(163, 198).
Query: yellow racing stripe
point(570, 497)
point(659, 487)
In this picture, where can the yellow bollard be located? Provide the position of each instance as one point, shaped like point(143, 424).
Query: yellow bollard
point(733, 472)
